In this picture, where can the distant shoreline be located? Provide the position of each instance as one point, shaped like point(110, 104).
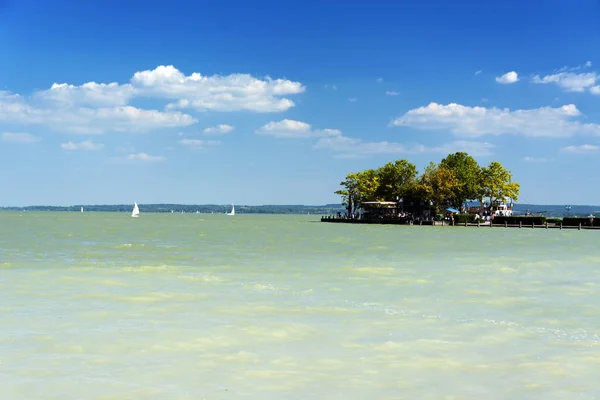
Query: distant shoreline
point(188, 208)
point(320, 210)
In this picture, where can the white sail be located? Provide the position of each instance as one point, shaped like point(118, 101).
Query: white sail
point(232, 210)
point(136, 210)
point(81, 209)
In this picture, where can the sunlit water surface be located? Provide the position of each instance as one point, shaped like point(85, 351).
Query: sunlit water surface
point(104, 306)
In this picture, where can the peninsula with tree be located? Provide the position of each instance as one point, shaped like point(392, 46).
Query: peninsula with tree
point(456, 183)
point(457, 190)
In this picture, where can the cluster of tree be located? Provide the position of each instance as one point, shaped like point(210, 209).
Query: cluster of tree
point(458, 178)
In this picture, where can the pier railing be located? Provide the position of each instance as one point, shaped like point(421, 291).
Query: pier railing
point(479, 224)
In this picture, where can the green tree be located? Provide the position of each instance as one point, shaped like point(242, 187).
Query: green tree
point(438, 184)
point(349, 192)
point(367, 184)
point(497, 183)
point(359, 187)
point(468, 173)
point(395, 179)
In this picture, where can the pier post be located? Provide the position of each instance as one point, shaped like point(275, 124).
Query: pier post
point(520, 224)
point(560, 225)
point(505, 224)
point(465, 222)
point(546, 225)
point(478, 223)
point(533, 224)
point(579, 228)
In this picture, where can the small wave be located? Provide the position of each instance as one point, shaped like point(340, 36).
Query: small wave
point(267, 288)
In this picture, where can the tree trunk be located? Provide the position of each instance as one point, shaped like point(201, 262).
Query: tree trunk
point(349, 209)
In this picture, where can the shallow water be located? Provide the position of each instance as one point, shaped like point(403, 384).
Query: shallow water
point(104, 306)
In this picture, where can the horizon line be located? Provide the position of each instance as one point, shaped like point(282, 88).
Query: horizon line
point(251, 205)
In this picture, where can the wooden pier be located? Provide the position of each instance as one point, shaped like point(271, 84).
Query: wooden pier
point(400, 221)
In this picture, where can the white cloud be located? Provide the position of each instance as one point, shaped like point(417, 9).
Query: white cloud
point(60, 117)
point(587, 64)
point(19, 137)
point(347, 147)
point(391, 93)
point(198, 143)
point(219, 129)
point(94, 108)
point(330, 86)
point(85, 145)
point(294, 129)
point(569, 81)
point(89, 94)
point(351, 147)
point(379, 80)
point(508, 78)
point(233, 92)
point(468, 121)
point(145, 157)
point(531, 159)
point(478, 72)
point(352, 99)
point(582, 149)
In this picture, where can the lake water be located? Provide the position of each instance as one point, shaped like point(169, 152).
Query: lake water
point(192, 306)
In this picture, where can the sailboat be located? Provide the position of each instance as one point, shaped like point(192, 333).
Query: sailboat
point(232, 210)
point(81, 209)
point(136, 211)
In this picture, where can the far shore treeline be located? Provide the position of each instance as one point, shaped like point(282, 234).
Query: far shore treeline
point(550, 210)
point(452, 182)
point(190, 208)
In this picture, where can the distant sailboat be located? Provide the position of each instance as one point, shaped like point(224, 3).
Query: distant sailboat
point(136, 211)
point(232, 210)
point(81, 209)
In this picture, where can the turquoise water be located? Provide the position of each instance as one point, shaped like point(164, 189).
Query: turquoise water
point(192, 306)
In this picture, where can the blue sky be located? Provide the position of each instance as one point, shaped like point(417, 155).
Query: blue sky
point(272, 102)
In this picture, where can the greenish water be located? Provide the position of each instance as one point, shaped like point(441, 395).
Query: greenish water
point(193, 306)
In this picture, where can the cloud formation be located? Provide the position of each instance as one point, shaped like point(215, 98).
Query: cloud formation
point(143, 157)
point(294, 129)
point(198, 143)
point(508, 78)
point(466, 121)
point(570, 80)
point(68, 117)
point(348, 147)
point(218, 130)
point(581, 149)
point(85, 145)
point(531, 159)
point(95, 108)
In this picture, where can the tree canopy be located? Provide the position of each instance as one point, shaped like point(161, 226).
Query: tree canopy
point(395, 179)
point(438, 184)
point(468, 173)
point(457, 179)
point(497, 183)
